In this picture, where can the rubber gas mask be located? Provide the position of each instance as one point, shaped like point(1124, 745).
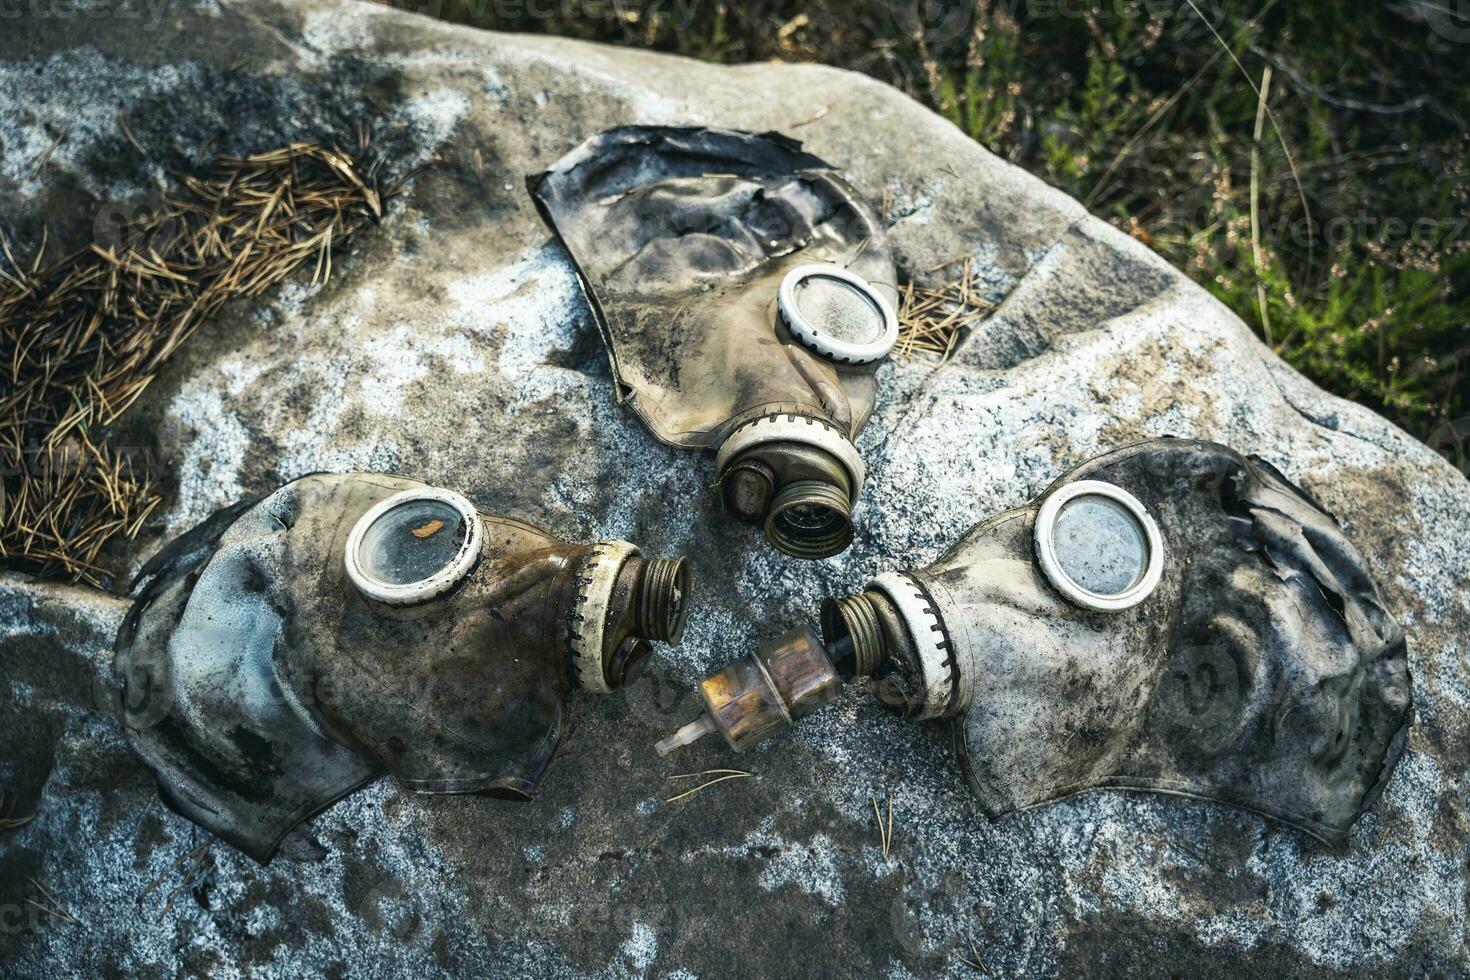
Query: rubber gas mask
point(745, 294)
point(1171, 617)
point(294, 648)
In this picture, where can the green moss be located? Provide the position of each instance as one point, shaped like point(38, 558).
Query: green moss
point(1136, 108)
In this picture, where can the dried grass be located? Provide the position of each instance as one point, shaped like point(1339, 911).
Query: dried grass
point(83, 337)
point(885, 833)
point(190, 857)
point(53, 908)
point(933, 320)
point(974, 961)
point(10, 821)
point(721, 775)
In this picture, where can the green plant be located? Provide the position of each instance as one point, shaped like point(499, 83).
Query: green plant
point(1357, 269)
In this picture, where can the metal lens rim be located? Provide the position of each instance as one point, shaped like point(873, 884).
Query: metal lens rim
point(812, 335)
point(1046, 520)
point(446, 578)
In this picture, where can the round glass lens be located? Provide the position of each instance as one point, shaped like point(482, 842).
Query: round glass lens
point(1100, 545)
point(412, 541)
point(839, 309)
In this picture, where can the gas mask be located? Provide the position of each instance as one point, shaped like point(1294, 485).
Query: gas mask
point(292, 649)
point(1171, 617)
point(745, 294)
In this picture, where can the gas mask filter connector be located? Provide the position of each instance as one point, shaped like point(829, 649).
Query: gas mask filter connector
point(891, 634)
point(810, 519)
point(663, 599)
point(797, 476)
point(761, 693)
point(623, 602)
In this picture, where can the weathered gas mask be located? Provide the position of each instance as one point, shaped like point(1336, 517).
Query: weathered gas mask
point(745, 293)
point(291, 649)
point(1171, 617)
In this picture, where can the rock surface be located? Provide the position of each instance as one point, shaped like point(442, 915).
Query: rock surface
point(453, 346)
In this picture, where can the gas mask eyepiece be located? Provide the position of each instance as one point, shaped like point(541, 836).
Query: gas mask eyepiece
point(414, 546)
point(837, 314)
point(1098, 547)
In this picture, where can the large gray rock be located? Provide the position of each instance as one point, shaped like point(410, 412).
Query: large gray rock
point(453, 346)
